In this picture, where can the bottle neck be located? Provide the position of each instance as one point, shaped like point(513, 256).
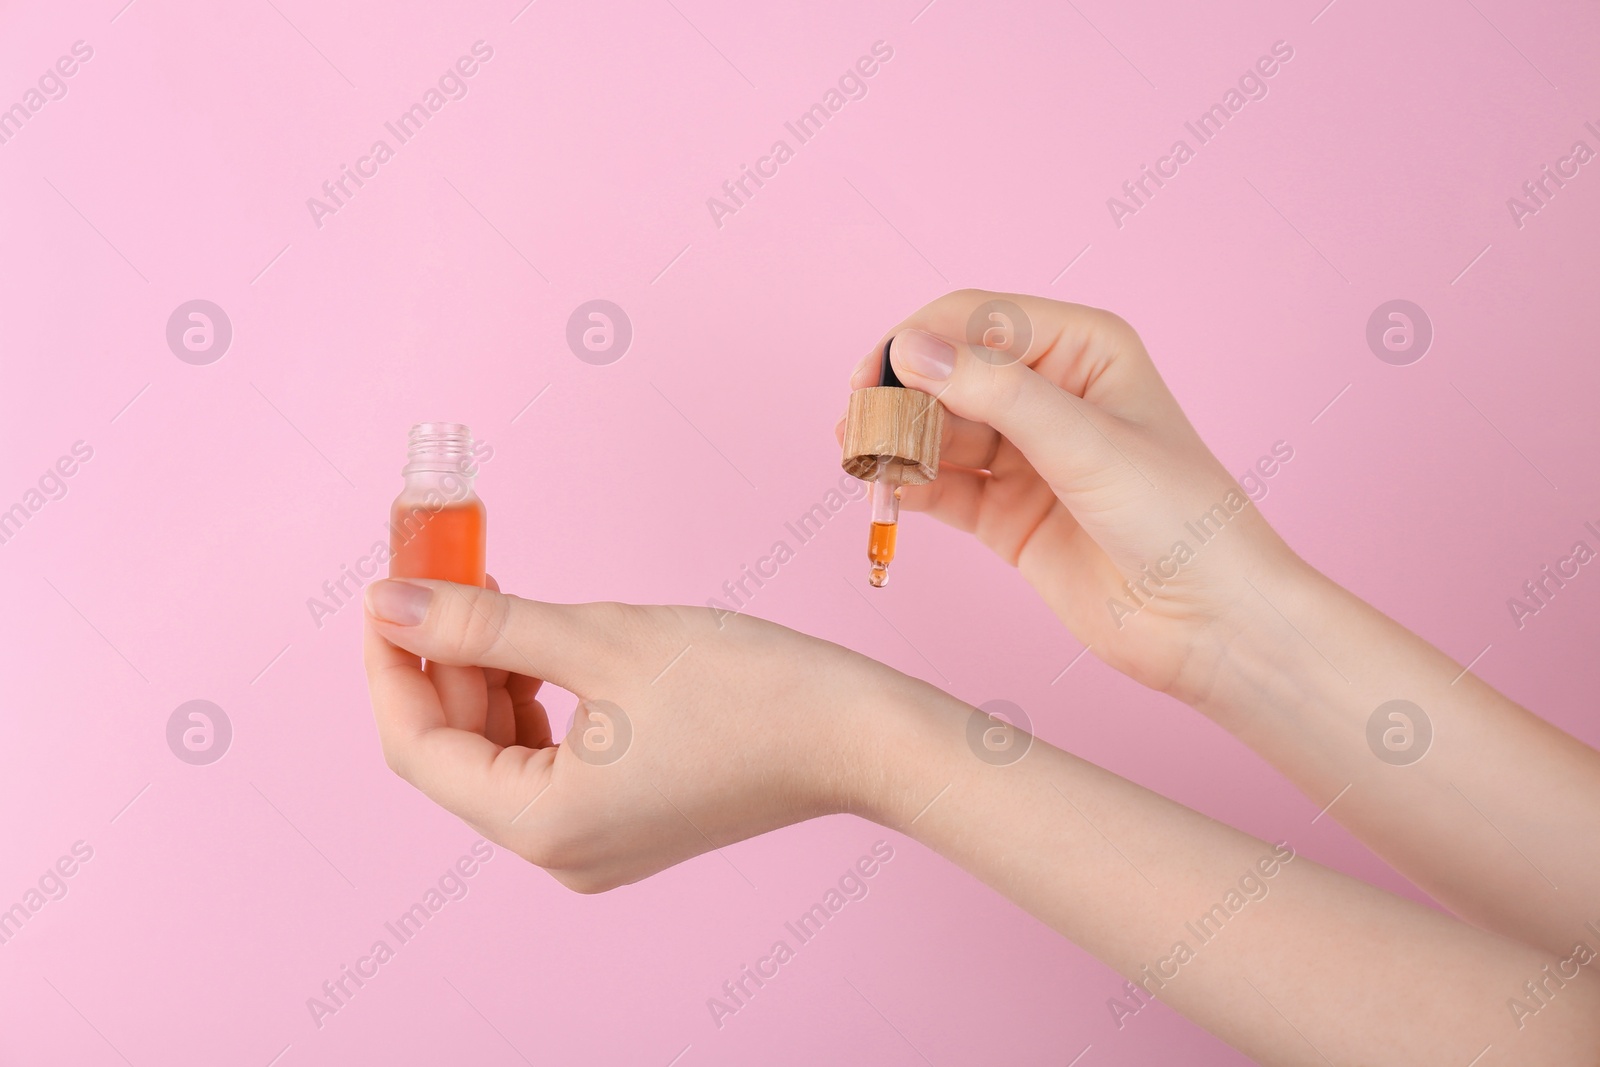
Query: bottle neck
point(440, 460)
point(452, 485)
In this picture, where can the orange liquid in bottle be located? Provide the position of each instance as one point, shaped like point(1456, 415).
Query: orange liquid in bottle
point(447, 544)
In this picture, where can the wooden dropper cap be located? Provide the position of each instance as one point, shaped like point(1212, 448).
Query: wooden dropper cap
point(890, 423)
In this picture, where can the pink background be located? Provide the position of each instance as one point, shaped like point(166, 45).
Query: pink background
point(220, 497)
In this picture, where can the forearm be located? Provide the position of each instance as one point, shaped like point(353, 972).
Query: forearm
point(1286, 960)
point(1490, 814)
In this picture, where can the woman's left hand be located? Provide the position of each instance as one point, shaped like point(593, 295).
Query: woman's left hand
point(694, 728)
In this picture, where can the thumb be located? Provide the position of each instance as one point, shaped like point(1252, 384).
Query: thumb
point(1070, 441)
point(465, 625)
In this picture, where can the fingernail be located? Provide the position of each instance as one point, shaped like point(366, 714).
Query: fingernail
point(922, 354)
point(400, 603)
point(838, 429)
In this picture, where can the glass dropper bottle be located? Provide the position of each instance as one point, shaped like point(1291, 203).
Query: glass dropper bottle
point(437, 523)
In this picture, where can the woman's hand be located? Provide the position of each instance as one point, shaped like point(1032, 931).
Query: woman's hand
point(1066, 454)
point(695, 729)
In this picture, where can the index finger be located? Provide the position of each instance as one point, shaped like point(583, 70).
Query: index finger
point(1090, 352)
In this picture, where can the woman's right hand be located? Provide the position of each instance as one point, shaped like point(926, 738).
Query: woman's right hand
point(1072, 461)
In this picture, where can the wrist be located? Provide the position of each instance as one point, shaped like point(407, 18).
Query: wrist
point(905, 753)
point(1274, 650)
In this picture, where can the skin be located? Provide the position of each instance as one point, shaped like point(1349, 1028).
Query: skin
point(1503, 809)
point(1073, 462)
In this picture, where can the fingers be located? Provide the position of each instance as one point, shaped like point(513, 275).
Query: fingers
point(1003, 512)
point(1061, 381)
point(1068, 440)
point(459, 769)
point(1087, 351)
point(499, 722)
point(532, 722)
point(466, 625)
point(495, 677)
point(404, 700)
point(954, 498)
point(463, 694)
